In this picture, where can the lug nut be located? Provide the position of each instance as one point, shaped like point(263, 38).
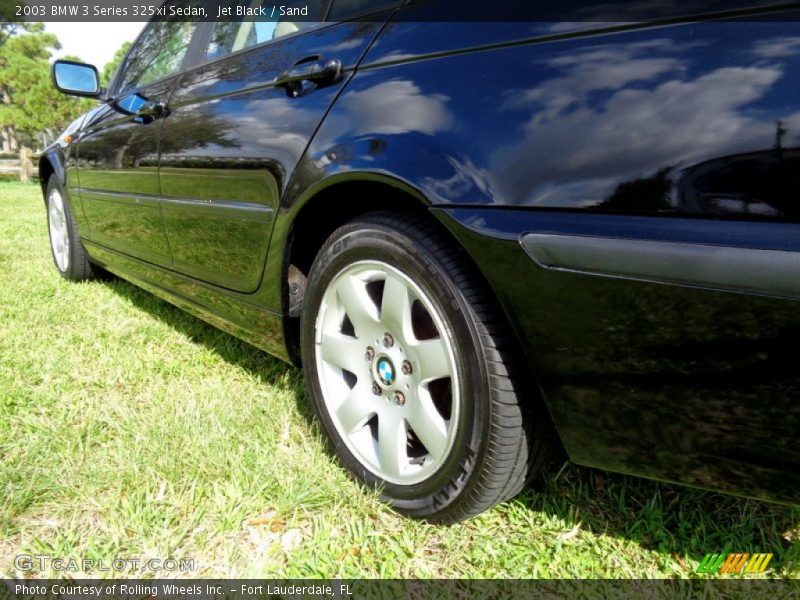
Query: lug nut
point(388, 340)
point(376, 389)
point(406, 368)
point(370, 353)
point(399, 399)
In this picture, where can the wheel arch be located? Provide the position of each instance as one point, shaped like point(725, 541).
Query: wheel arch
point(330, 204)
point(319, 212)
point(51, 162)
point(46, 170)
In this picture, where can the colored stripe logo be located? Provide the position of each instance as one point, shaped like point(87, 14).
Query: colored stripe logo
point(734, 563)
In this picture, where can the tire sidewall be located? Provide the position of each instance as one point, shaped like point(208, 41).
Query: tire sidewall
point(53, 184)
point(372, 241)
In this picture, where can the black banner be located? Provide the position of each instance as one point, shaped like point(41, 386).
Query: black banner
point(252, 589)
point(616, 11)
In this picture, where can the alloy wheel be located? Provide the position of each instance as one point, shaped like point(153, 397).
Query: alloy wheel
point(387, 371)
point(59, 236)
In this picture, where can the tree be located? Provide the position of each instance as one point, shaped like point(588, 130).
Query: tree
point(110, 67)
point(9, 23)
point(32, 112)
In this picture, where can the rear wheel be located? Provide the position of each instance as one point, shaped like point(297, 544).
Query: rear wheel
point(410, 371)
point(68, 253)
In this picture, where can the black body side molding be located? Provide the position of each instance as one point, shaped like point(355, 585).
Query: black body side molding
point(749, 270)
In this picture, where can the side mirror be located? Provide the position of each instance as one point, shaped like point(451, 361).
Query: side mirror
point(76, 79)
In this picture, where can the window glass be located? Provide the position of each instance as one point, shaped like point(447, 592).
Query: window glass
point(232, 36)
point(158, 54)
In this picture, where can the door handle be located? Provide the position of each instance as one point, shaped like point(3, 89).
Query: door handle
point(153, 109)
point(320, 71)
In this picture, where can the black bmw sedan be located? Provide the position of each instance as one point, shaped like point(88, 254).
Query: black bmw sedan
point(483, 241)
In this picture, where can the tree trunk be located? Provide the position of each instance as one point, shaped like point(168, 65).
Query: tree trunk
point(119, 157)
point(8, 141)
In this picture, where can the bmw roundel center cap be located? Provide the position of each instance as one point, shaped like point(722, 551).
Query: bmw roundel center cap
point(385, 370)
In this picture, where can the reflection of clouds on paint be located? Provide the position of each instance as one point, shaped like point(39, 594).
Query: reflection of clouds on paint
point(396, 56)
point(582, 193)
point(778, 48)
point(374, 116)
point(577, 145)
point(391, 107)
point(792, 125)
point(601, 68)
point(279, 130)
point(570, 26)
point(467, 176)
point(342, 46)
point(252, 132)
point(397, 106)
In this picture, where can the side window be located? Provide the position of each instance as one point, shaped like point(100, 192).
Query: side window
point(232, 36)
point(157, 54)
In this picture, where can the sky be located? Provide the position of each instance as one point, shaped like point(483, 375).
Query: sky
point(94, 43)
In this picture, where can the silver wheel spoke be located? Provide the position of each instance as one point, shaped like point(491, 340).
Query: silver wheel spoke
point(356, 410)
point(357, 304)
point(392, 444)
point(430, 426)
point(396, 307)
point(433, 360)
point(344, 352)
point(392, 369)
point(59, 237)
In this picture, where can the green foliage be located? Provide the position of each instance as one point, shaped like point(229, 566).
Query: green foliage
point(28, 101)
point(8, 20)
point(111, 67)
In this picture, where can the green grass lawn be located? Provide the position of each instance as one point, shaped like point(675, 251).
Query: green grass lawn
point(131, 429)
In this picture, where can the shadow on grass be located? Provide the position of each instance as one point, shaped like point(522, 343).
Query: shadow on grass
point(678, 520)
point(684, 522)
point(268, 369)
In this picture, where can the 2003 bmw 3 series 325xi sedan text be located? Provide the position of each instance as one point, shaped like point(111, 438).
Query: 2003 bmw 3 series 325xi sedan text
point(482, 241)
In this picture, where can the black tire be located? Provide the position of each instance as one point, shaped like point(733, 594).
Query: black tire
point(500, 443)
point(77, 267)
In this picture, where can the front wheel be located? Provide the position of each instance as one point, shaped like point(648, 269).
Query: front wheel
point(68, 252)
point(410, 371)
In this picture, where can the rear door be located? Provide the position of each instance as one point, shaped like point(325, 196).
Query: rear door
point(239, 123)
point(118, 151)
